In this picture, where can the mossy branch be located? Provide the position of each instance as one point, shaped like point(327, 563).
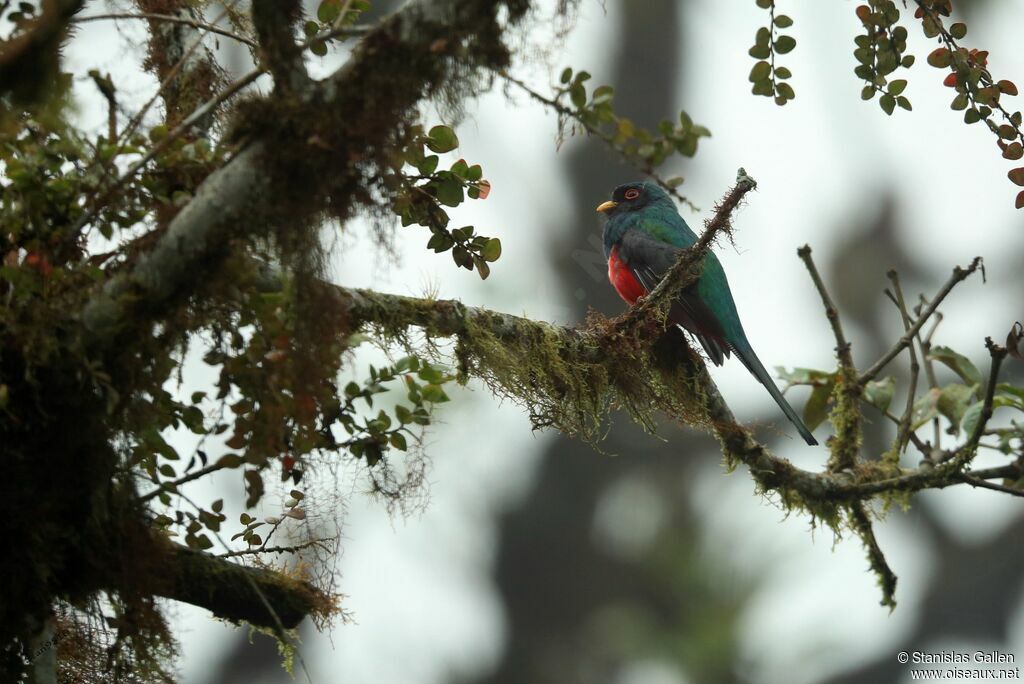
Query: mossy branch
point(261, 597)
point(397, 316)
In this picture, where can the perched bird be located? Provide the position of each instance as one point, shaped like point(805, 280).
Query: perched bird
point(643, 238)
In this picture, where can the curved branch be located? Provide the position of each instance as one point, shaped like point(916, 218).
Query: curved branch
point(171, 19)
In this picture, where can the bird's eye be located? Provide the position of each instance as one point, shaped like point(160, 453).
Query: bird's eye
point(632, 194)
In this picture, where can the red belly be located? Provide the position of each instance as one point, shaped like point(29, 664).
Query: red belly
point(623, 280)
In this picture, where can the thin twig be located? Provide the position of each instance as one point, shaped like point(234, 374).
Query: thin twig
point(212, 28)
point(966, 453)
point(959, 274)
point(886, 577)
point(607, 139)
point(320, 543)
point(904, 433)
point(194, 475)
point(984, 484)
point(831, 313)
point(925, 344)
point(849, 391)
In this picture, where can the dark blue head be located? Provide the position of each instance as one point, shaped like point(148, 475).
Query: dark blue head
point(632, 197)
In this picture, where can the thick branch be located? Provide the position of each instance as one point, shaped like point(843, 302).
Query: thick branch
point(236, 592)
point(446, 318)
point(281, 56)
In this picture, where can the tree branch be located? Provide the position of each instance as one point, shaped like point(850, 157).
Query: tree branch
point(447, 318)
point(170, 18)
point(274, 21)
point(236, 592)
point(959, 275)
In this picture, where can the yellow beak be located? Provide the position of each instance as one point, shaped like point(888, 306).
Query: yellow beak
point(607, 206)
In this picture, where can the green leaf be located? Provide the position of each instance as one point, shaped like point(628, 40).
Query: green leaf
point(953, 401)
point(442, 139)
point(450, 192)
point(867, 92)
point(896, 87)
point(816, 408)
point(970, 418)
point(879, 393)
point(783, 73)
point(959, 364)
point(761, 71)
point(566, 75)
point(958, 30)
point(760, 52)
point(904, 103)
point(397, 440)
point(328, 11)
point(804, 376)
point(784, 90)
point(428, 165)
point(434, 393)
point(784, 44)
point(925, 409)
point(783, 21)
point(491, 250)
point(887, 103)
point(578, 95)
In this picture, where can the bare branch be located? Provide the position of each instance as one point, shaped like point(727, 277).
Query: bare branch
point(172, 19)
point(904, 433)
point(959, 275)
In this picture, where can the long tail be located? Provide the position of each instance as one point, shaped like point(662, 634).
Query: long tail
point(745, 354)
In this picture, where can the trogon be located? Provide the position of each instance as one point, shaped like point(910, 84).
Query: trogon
point(643, 238)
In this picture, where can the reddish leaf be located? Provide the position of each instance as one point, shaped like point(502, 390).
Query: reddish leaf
point(1013, 151)
point(864, 13)
point(1020, 200)
point(1007, 87)
point(940, 58)
point(950, 80)
point(1017, 176)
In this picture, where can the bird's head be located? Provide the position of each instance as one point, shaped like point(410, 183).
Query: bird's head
point(633, 197)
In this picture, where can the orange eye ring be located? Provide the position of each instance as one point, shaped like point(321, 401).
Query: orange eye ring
point(631, 194)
